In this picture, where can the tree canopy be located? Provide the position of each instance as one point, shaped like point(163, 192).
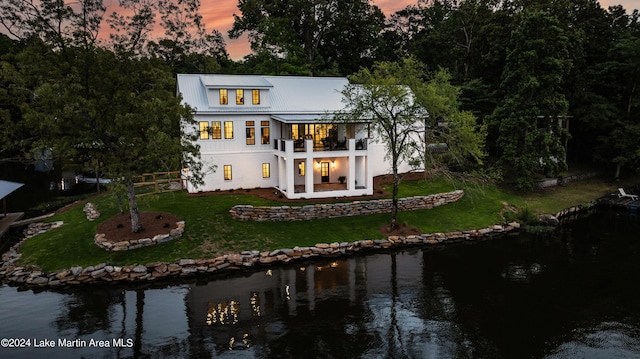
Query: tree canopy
point(100, 107)
point(409, 110)
point(311, 37)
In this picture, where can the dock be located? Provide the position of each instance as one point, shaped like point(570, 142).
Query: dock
point(613, 201)
point(7, 221)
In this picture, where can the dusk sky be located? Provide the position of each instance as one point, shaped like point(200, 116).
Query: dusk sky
point(218, 14)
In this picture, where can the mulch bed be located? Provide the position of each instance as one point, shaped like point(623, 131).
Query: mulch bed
point(118, 227)
point(400, 230)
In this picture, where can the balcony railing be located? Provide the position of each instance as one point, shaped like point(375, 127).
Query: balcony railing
point(324, 145)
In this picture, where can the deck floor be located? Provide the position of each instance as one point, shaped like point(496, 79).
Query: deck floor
point(323, 187)
point(7, 221)
point(614, 201)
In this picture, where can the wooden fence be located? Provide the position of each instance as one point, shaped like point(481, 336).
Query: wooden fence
point(161, 181)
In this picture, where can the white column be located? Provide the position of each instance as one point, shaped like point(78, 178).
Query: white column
point(308, 167)
point(351, 177)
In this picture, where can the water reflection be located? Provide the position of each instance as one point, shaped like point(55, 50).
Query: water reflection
point(575, 294)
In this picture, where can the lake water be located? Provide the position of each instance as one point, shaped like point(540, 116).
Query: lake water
point(572, 295)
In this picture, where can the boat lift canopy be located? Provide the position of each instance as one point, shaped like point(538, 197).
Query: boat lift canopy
point(6, 188)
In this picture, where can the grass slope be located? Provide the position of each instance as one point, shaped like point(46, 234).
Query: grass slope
point(210, 230)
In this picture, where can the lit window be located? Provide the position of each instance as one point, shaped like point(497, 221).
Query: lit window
point(204, 130)
point(255, 97)
point(228, 129)
point(324, 169)
point(224, 99)
point(216, 130)
point(227, 172)
point(239, 97)
point(301, 168)
point(251, 133)
point(266, 170)
point(264, 132)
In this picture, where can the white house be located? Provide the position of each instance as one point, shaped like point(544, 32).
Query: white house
point(275, 132)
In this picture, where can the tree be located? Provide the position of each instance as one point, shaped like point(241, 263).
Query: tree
point(106, 105)
point(312, 36)
point(451, 137)
point(382, 97)
point(619, 144)
point(531, 136)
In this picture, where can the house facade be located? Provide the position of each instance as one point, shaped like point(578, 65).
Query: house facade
point(276, 132)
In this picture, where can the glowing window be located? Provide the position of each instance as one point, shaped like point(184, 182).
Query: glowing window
point(224, 98)
point(251, 133)
point(228, 129)
point(301, 168)
point(204, 130)
point(216, 130)
point(266, 170)
point(239, 97)
point(255, 97)
point(227, 172)
point(264, 132)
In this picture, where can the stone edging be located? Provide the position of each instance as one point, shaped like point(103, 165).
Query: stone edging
point(101, 241)
point(32, 276)
point(334, 210)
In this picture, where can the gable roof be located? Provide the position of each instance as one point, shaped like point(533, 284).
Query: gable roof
point(287, 94)
point(6, 187)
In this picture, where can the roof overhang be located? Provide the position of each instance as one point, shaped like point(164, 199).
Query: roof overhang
point(304, 118)
point(311, 118)
point(6, 187)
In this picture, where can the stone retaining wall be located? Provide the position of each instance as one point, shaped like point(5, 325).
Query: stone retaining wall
point(334, 210)
point(102, 242)
point(564, 180)
point(104, 273)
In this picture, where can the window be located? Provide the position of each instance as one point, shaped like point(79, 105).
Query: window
point(301, 168)
point(266, 170)
point(204, 130)
point(228, 129)
point(216, 130)
point(255, 96)
point(239, 97)
point(224, 99)
point(251, 133)
point(227, 172)
point(264, 132)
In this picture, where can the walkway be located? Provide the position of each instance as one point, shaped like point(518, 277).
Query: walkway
point(7, 221)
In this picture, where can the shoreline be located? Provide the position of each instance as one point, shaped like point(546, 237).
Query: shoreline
point(157, 272)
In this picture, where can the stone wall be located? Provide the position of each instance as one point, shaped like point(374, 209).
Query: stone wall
point(102, 242)
point(564, 180)
point(334, 210)
point(104, 273)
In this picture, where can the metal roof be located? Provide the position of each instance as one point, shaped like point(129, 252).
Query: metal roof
point(6, 187)
point(287, 94)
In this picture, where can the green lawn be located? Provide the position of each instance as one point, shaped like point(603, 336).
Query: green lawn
point(210, 230)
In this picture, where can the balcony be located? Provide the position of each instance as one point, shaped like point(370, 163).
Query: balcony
point(309, 145)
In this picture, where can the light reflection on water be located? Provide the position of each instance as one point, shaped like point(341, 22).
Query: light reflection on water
point(575, 295)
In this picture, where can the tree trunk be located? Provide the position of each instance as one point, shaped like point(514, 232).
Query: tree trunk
point(97, 179)
point(120, 204)
point(136, 226)
point(618, 167)
point(394, 200)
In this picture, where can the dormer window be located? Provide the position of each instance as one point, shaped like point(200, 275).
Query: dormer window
point(239, 97)
point(224, 98)
point(255, 96)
